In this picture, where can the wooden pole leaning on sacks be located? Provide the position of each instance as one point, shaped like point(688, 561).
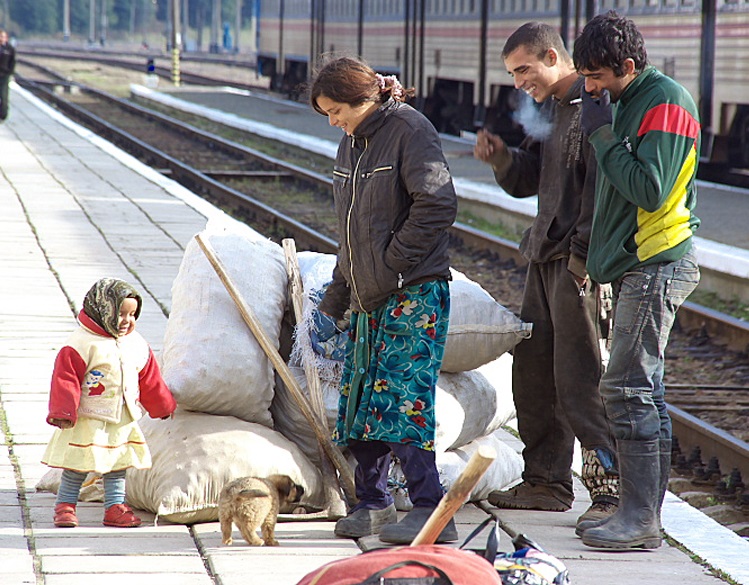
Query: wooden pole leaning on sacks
point(332, 451)
point(334, 504)
point(456, 496)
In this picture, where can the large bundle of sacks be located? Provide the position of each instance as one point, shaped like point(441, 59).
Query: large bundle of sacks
point(237, 418)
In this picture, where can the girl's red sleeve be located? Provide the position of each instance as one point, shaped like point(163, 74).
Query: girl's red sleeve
point(155, 396)
point(65, 391)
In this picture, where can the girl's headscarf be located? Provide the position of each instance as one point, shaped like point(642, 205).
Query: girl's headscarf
point(103, 300)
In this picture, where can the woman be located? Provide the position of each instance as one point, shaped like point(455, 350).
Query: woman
point(395, 201)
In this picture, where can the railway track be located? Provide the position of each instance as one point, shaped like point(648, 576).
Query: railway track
point(289, 200)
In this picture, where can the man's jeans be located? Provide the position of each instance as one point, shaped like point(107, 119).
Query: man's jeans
point(645, 304)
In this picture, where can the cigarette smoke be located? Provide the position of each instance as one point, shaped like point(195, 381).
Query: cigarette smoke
point(532, 119)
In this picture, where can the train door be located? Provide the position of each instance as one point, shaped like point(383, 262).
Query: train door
point(449, 106)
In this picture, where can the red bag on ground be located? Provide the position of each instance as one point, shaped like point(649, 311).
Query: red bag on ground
point(408, 565)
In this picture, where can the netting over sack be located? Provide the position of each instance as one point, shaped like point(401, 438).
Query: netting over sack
point(211, 360)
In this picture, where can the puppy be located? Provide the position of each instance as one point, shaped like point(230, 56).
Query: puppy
point(254, 502)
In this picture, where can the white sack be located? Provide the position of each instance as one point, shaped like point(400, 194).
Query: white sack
point(211, 360)
point(292, 424)
point(469, 406)
point(504, 471)
point(195, 455)
point(480, 328)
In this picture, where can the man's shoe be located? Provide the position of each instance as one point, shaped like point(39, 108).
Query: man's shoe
point(120, 516)
point(528, 496)
point(364, 522)
point(595, 515)
point(65, 516)
point(406, 530)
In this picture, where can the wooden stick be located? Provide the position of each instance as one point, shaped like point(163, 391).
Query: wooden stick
point(456, 495)
point(347, 477)
point(334, 504)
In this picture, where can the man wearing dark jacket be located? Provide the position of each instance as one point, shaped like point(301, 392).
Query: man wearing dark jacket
point(555, 372)
point(7, 66)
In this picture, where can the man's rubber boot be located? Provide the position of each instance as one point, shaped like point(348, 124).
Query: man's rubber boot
point(665, 457)
point(635, 524)
point(406, 530)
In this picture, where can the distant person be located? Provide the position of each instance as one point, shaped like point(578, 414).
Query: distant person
point(647, 148)
point(7, 67)
point(556, 371)
point(101, 375)
point(395, 201)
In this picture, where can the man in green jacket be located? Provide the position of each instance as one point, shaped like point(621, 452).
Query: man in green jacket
point(647, 148)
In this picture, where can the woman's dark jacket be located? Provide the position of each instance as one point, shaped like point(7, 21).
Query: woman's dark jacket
point(395, 200)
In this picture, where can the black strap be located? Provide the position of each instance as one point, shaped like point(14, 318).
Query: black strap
point(382, 572)
point(492, 541)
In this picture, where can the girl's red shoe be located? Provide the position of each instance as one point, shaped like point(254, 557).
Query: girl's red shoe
point(121, 516)
point(65, 516)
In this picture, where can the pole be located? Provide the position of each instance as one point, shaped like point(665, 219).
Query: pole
point(176, 42)
point(483, 48)
point(103, 26)
point(66, 20)
point(185, 22)
point(215, 26)
point(237, 25)
point(248, 315)
point(91, 21)
point(360, 30)
point(456, 495)
point(707, 68)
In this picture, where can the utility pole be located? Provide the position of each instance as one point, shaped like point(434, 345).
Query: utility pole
point(176, 42)
point(215, 26)
point(91, 21)
point(237, 25)
point(185, 22)
point(66, 20)
point(103, 31)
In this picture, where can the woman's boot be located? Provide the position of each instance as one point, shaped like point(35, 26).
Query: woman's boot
point(636, 523)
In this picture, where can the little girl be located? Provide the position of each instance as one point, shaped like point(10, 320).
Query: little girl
point(101, 374)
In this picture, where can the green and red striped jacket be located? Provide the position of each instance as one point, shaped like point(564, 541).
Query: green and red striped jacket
point(645, 189)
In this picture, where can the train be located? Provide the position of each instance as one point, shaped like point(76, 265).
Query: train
point(449, 51)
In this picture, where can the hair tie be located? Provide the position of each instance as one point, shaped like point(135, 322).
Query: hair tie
point(390, 83)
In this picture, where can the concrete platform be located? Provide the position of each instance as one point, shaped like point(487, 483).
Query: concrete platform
point(74, 209)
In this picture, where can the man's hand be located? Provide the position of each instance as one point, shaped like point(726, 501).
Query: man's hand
point(489, 148)
point(595, 112)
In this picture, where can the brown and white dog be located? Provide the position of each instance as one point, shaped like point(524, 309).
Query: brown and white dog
point(254, 502)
